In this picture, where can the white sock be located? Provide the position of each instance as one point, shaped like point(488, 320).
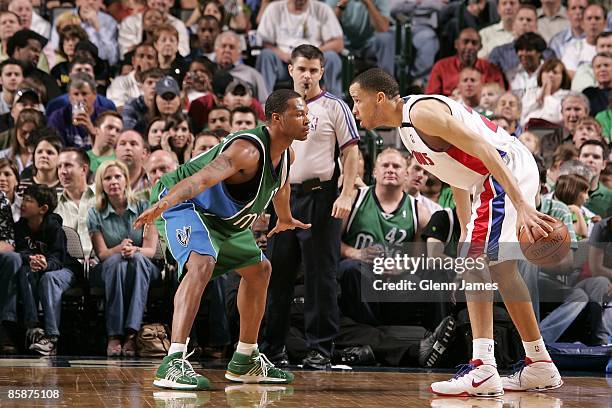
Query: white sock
point(246, 348)
point(177, 347)
point(482, 349)
point(536, 350)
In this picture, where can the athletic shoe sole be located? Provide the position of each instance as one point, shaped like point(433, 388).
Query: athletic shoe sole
point(254, 379)
point(467, 394)
point(163, 383)
point(538, 389)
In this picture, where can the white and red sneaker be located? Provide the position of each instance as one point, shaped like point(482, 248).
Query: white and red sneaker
point(533, 376)
point(472, 380)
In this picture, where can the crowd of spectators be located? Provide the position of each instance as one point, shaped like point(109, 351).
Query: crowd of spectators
point(101, 98)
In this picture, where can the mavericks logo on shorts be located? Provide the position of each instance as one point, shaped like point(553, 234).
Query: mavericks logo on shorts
point(182, 235)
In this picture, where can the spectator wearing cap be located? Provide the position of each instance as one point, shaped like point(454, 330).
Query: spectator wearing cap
point(165, 41)
point(101, 28)
point(583, 51)
point(504, 56)
point(286, 24)
point(167, 98)
point(529, 48)
point(136, 111)
point(125, 87)
point(81, 64)
point(25, 98)
point(228, 59)
point(75, 121)
point(239, 93)
point(131, 32)
point(11, 75)
point(26, 46)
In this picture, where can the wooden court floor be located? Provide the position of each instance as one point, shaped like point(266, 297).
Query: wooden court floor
point(128, 383)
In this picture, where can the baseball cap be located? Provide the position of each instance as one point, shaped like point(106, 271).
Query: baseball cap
point(167, 85)
point(239, 88)
point(26, 93)
point(20, 39)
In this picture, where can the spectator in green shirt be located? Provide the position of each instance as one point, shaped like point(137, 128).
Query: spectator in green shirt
point(108, 126)
point(594, 153)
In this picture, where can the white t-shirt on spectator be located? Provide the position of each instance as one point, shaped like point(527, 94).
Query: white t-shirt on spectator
point(123, 88)
point(317, 25)
point(577, 53)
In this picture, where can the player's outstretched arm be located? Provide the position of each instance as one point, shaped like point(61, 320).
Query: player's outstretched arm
point(434, 118)
point(239, 156)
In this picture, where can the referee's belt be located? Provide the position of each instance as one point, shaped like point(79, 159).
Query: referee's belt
point(315, 184)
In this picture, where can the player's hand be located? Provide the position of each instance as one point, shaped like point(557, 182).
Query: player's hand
point(150, 214)
point(528, 218)
point(288, 225)
point(342, 207)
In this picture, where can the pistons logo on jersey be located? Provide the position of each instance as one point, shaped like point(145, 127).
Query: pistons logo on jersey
point(422, 158)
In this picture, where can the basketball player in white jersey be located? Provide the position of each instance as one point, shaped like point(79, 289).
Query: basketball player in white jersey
point(473, 155)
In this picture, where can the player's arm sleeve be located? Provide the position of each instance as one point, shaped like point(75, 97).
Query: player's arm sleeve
point(438, 227)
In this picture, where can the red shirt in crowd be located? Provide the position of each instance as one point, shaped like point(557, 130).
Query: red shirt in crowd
point(445, 75)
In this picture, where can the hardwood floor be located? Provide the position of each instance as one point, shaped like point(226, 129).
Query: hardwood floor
point(128, 383)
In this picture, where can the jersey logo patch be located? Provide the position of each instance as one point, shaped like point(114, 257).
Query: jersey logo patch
point(183, 235)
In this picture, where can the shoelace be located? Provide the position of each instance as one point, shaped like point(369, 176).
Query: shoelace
point(264, 363)
point(517, 368)
point(189, 368)
point(463, 370)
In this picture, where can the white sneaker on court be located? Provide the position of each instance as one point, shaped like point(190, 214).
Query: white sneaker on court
point(472, 380)
point(533, 376)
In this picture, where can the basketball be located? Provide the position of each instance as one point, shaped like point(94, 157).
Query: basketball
point(546, 251)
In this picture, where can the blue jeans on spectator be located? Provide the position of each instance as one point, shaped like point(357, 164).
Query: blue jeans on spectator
point(46, 288)
point(596, 289)
point(426, 45)
point(10, 262)
point(273, 69)
point(380, 47)
point(574, 301)
point(126, 286)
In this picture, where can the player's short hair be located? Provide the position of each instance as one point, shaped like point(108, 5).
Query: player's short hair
point(309, 52)
point(277, 101)
point(378, 80)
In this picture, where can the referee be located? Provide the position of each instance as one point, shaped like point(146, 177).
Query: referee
point(315, 200)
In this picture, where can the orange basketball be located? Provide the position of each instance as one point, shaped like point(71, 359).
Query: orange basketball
point(548, 251)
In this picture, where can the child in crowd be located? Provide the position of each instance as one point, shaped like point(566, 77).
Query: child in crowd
point(532, 141)
point(489, 95)
point(47, 269)
point(573, 190)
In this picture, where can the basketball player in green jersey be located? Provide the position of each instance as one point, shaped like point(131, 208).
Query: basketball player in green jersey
point(207, 207)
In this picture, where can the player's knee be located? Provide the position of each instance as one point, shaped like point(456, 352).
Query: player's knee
point(200, 267)
point(264, 271)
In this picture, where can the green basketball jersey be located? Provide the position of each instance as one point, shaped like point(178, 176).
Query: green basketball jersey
point(216, 203)
point(368, 224)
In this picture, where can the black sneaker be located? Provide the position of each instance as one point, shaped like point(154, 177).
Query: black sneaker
point(316, 360)
point(7, 344)
point(435, 344)
point(280, 358)
point(358, 355)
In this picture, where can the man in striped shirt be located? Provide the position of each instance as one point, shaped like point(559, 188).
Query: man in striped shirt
point(314, 199)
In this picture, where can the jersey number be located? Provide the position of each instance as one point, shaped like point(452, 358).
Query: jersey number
point(422, 158)
point(488, 123)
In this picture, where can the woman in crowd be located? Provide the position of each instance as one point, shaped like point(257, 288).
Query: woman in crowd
point(69, 37)
point(235, 9)
point(19, 151)
point(44, 167)
point(9, 180)
point(178, 138)
point(544, 102)
point(166, 42)
point(154, 133)
point(125, 269)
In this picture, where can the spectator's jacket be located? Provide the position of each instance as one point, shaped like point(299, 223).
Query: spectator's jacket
point(7, 230)
point(134, 115)
point(49, 241)
point(69, 134)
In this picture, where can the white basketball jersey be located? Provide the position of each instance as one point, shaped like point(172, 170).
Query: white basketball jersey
point(455, 166)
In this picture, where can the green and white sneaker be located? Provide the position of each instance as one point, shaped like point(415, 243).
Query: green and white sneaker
point(255, 368)
point(176, 372)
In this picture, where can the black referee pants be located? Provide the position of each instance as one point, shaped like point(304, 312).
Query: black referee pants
point(318, 249)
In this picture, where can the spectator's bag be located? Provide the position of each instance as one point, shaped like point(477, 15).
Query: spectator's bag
point(153, 340)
